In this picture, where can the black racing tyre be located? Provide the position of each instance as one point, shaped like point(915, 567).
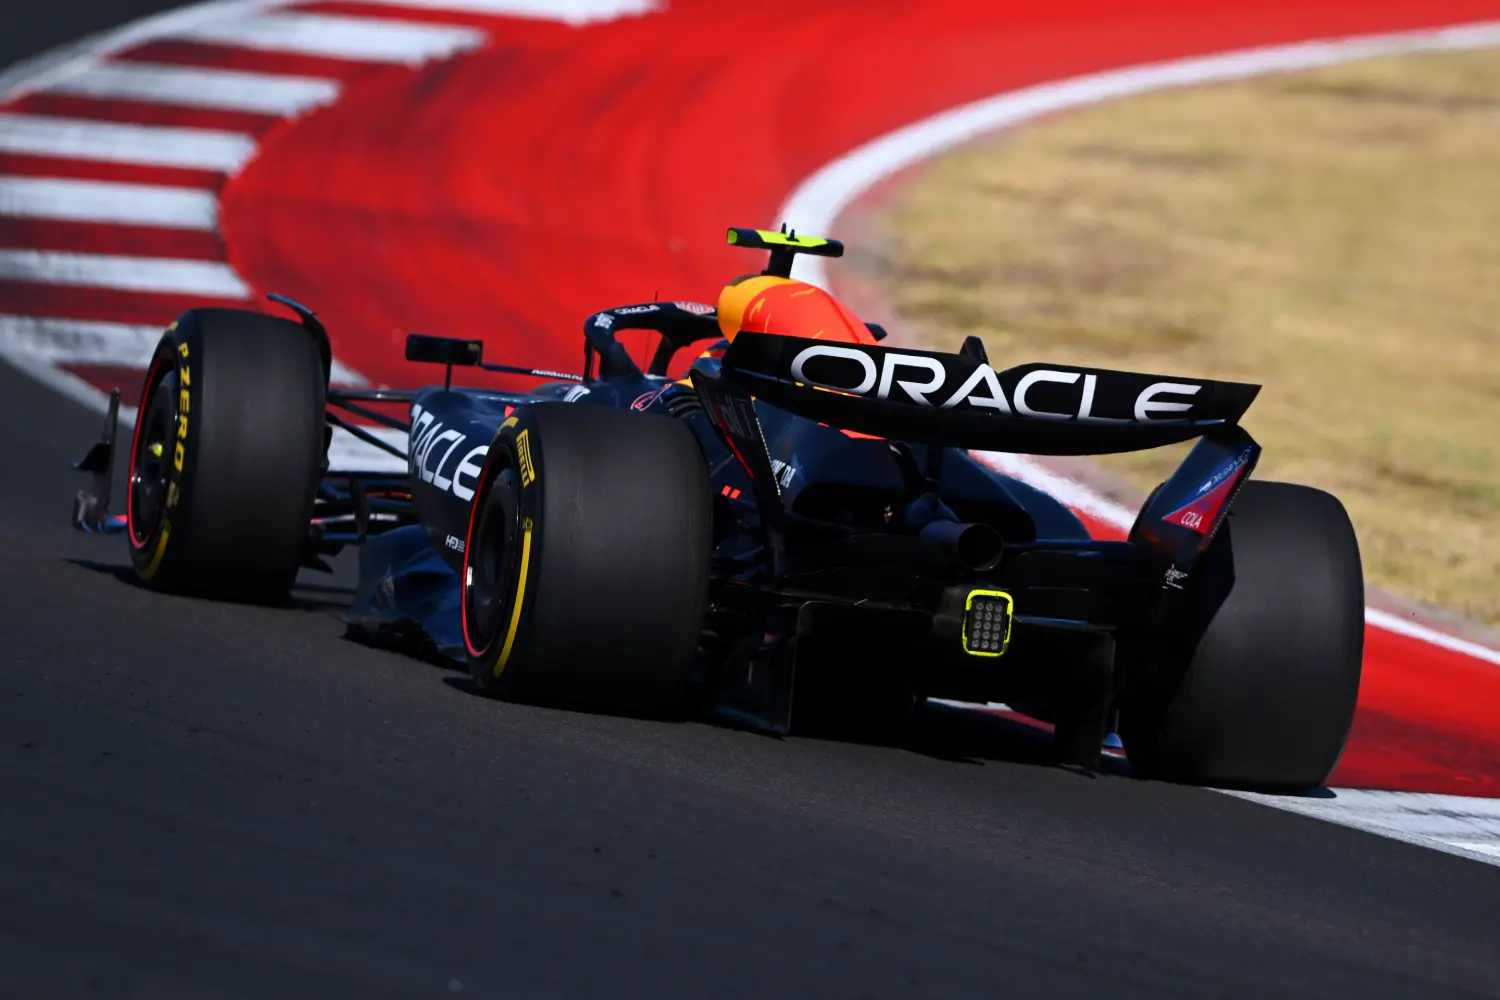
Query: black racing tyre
point(1260, 693)
point(586, 564)
point(226, 455)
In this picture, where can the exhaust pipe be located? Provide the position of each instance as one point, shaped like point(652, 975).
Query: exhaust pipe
point(976, 547)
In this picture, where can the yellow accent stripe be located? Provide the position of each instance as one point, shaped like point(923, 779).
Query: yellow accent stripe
point(161, 550)
point(770, 237)
point(782, 239)
point(515, 611)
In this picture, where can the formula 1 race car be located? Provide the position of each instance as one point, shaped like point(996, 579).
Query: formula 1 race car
point(791, 534)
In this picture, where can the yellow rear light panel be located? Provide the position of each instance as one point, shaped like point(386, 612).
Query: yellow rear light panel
point(987, 615)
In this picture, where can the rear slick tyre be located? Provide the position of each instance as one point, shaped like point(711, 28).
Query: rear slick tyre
point(1260, 693)
point(225, 457)
point(586, 564)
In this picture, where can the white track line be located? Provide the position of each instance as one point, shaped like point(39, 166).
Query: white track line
point(356, 38)
point(820, 199)
point(1395, 623)
point(575, 12)
point(108, 202)
point(113, 142)
point(188, 86)
point(1069, 491)
point(133, 274)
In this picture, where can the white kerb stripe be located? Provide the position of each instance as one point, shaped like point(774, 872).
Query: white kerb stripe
point(573, 12)
point(108, 202)
point(113, 142)
point(134, 274)
point(356, 38)
point(1453, 823)
point(347, 453)
point(72, 341)
point(95, 342)
point(41, 71)
point(186, 86)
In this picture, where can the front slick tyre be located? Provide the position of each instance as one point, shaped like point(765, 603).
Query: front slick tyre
point(225, 457)
point(1260, 694)
point(586, 562)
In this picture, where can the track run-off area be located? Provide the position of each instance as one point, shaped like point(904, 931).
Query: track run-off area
point(500, 169)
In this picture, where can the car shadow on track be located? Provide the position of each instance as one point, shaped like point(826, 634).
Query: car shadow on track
point(978, 736)
point(969, 736)
point(316, 597)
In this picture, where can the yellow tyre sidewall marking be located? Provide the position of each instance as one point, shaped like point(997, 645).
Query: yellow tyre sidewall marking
point(179, 452)
point(523, 455)
point(161, 550)
point(516, 606)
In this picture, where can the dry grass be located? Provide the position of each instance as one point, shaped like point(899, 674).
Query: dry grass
point(1334, 235)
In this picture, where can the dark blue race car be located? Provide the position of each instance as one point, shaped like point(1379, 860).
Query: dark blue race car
point(789, 531)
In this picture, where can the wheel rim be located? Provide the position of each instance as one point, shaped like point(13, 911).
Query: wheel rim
point(151, 462)
point(492, 558)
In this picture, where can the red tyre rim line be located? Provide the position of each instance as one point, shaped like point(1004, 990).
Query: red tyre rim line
point(135, 440)
point(486, 480)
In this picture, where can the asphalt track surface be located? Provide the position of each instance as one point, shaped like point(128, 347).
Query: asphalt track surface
point(202, 800)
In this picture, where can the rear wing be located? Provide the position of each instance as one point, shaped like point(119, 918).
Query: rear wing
point(959, 400)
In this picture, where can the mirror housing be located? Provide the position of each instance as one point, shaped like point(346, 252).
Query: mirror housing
point(443, 350)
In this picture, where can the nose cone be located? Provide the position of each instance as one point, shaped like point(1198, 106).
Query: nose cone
point(791, 308)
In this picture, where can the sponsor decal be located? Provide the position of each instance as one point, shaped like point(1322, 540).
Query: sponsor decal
point(696, 308)
point(1174, 577)
point(784, 473)
point(468, 470)
point(1038, 393)
point(454, 542)
point(523, 454)
point(635, 310)
point(575, 393)
point(184, 405)
point(429, 440)
point(1199, 513)
point(738, 417)
point(604, 321)
point(645, 399)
